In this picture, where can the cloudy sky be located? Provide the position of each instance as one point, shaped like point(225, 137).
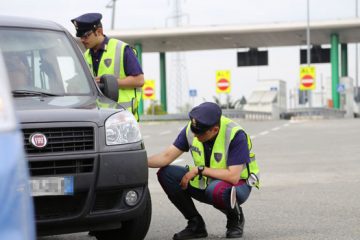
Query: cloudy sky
point(200, 66)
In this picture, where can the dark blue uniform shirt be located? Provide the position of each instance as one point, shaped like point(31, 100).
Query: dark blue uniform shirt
point(238, 150)
point(131, 63)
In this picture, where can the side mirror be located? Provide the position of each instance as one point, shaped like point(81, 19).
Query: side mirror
point(109, 86)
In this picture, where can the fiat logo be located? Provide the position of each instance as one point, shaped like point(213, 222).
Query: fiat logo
point(38, 140)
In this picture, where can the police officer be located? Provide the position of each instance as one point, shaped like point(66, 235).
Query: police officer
point(111, 56)
point(221, 152)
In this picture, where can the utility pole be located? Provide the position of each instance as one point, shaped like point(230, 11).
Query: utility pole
point(112, 5)
point(308, 53)
point(356, 58)
point(179, 71)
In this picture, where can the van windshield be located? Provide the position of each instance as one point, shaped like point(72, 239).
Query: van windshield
point(42, 61)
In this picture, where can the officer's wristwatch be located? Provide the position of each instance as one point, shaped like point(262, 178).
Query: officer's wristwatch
point(200, 170)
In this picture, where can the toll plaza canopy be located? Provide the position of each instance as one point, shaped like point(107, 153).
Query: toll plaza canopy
point(162, 40)
point(239, 36)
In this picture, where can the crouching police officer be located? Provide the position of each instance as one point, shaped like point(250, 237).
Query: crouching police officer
point(221, 152)
point(111, 56)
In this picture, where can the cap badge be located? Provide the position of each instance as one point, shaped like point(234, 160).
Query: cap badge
point(193, 122)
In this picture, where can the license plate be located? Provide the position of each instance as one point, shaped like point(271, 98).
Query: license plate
point(52, 186)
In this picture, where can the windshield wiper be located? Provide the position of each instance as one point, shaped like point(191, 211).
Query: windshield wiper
point(23, 93)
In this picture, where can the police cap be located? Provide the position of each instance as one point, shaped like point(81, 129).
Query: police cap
point(86, 22)
point(204, 116)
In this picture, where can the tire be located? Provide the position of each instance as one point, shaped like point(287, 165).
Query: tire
point(134, 229)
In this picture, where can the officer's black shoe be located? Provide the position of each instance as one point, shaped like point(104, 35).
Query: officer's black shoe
point(195, 229)
point(235, 223)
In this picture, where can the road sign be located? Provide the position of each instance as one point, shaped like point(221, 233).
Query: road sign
point(149, 89)
point(341, 88)
point(307, 78)
point(192, 93)
point(223, 84)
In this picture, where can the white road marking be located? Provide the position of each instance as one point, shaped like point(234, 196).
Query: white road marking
point(264, 133)
point(165, 132)
point(275, 128)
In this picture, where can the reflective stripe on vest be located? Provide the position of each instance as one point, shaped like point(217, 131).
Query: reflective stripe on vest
point(112, 62)
point(219, 154)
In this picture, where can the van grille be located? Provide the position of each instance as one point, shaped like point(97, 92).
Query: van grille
point(52, 207)
point(61, 167)
point(64, 139)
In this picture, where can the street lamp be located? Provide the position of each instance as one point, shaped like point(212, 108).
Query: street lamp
point(356, 59)
point(308, 54)
point(112, 5)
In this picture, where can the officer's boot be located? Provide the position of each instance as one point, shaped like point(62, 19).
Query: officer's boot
point(194, 229)
point(235, 223)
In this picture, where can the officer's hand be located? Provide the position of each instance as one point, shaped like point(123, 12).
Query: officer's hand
point(97, 79)
point(187, 177)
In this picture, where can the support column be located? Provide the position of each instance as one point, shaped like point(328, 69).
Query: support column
point(138, 48)
point(163, 81)
point(335, 69)
point(344, 60)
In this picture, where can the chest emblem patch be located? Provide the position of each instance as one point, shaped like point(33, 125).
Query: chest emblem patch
point(108, 62)
point(218, 156)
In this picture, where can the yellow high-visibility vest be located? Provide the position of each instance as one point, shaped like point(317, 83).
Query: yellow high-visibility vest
point(219, 154)
point(112, 62)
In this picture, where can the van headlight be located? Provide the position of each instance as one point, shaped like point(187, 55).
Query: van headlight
point(122, 128)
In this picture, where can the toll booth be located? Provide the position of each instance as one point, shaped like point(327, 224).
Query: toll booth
point(269, 96)
point(347, 101)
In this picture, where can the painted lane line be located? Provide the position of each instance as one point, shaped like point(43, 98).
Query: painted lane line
point(264, 133)
point(146, 137)
point(165, 132)
point(275, 128)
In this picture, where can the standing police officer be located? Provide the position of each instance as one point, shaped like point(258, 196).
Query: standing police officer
point(111, 56)
point(221, 152)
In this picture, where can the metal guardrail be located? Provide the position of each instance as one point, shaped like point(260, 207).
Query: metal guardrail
point(317, 112)
point(231, 113)
point(312, 113)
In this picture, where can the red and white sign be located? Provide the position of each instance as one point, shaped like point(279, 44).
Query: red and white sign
point(149, 89)
point(223, 84)
point(307, 81)
point(307, 78)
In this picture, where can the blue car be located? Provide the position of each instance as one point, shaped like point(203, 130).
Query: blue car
point(16, 211)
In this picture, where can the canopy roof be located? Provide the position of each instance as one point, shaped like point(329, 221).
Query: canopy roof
point(239, 36)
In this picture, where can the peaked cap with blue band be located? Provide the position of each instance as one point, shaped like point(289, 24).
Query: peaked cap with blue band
point(86, 22)
point(204, 116)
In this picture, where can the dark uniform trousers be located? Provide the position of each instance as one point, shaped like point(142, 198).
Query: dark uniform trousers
point(217, 193)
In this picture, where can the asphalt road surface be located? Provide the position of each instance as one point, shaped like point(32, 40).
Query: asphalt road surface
point(310, 185)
